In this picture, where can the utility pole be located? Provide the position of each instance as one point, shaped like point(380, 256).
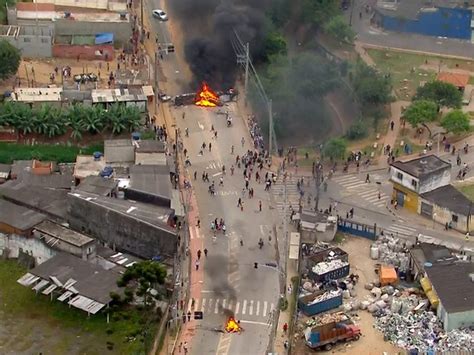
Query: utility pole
point(141, 14)
point(270, 128)
point(247, 59)
point(157, 88)
point(318, 186)
point(285, 231)
point(352, 11)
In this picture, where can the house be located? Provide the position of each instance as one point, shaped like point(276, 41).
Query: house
point(453, 283)
point(119, 152)
point(428, 254)
point(18, 220)
point(459, 80)
point(87, 165)
point(151, 184)
point(412, 178)
point(66, 240)
point(99, 186)
point(132, 96)
point(151, 152)
point(437, 18)
point(5, 170)
point(81, 284)
point(141, 229)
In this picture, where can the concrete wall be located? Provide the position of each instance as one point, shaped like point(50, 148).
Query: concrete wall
point(430, 183)
point(410, 198)
point(444, 22)
point(405, 181)
point(85, 252)
point(83, 52)
point(122, 30)
point(120, 231)
point(32, 41)
point(31, 246)
point(455, 320)
point(443, 215)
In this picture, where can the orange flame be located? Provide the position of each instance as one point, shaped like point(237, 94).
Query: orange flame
point(232, 326)
point(206, 97)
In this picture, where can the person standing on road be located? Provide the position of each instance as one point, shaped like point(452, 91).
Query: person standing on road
point(197, 265)
point(232, 150)
point(195, 175)
point(392, 125)
point(210, 146)
point(367, 179)
point(199, 254)
point(198, 224)
point(205, 252)
point(260, 206)
point(242, 141)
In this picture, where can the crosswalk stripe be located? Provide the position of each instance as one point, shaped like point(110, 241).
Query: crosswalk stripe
point(237, 308)
point(257, 311)
point(251, 308)
point(203, 305)
point(223, 303)
point(265, 305)
point(189, 304)
point(210, 303)
point(216, 306)
point(244, 307)
point(351, 184)
point(272, 307)
point(345, 178)
point(196, 304)
point(369, 193)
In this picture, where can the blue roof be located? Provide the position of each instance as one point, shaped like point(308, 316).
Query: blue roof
point(104, 38)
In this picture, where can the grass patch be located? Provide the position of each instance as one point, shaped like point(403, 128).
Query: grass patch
point(147, 135)
point(399, 150)
point(47, 152)
point(71, 327)
point(295, 283)
point(339, 238)
point(467, 190)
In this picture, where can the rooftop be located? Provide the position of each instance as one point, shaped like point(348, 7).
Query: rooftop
point(5, 168)
point(453, 285)
point(152, 179)
point(457, 79)
point(151, 146)
point(91, 281)
point(46, 200)
point(423, 166)
point(19, 217)
point(118, 95)
point(119, 151)
point(451, 198)
point(87, 166)
point(65, 234)
point(147, 213)
point(50, 12)
point(97, 185)
point(37, 94)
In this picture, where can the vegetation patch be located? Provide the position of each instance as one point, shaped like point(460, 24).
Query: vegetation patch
point(47, 152)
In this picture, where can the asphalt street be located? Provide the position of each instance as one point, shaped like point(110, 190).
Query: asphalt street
point(375, 36)
point(230, 286)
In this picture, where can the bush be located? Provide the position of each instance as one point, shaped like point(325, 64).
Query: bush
point(358, 130)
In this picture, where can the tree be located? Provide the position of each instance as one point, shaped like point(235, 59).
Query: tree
point(456, 122)
point(444, 94)
point(9, 59)
point(147, 273)
point(338, 28)
point(357, 130)
point(371, 87)
point(317, 12)
point(274, 44)
point(335, 148)
point(420, 113)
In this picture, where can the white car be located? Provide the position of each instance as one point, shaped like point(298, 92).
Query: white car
point(160, 14)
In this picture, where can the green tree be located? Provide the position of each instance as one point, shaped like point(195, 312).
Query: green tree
point(420, 113)
point(456, 122)
point(371, 87)
point(357, 130)
point(9, 59)
point(279, 12)
point(147, 273)
point(274, 44)
point(444, 94)
point(335, 148)
point(317, 12)
point(94, 119)
point(18, 116)
point(338, 28)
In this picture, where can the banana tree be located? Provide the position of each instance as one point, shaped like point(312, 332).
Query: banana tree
point(18, 116)
point(93, 120)
point(75, 120)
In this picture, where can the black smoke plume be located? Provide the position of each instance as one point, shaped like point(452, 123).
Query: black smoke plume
point(208, 26)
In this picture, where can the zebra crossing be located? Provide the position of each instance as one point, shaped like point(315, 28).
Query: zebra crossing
point(213, 165)
point(247, 308)
point(368, 192)
point(292, 194)
point(399, 230)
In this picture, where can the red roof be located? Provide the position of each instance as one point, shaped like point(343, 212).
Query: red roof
point(457, 79)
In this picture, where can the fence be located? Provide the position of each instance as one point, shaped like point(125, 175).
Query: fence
point(355, 228)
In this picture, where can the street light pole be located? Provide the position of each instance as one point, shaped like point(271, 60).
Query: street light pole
point(141, 13)
point(270, 127)
point(247, 58)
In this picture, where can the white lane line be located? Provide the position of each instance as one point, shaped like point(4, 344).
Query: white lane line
point(251, 308)
point(244, 307)
point(203, 305)
point(237, 308)
point(265, 305)
point(216, 307)
point(253, 322)
point(257, 311)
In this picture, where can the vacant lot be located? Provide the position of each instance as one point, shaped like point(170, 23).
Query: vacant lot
point(32, 324)
point(409, 70)
point(49, 152)
point(467, 190)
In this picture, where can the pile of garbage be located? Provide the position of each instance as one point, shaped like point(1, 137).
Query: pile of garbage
point(336, 317)
point(424, 332)
point(391, 251)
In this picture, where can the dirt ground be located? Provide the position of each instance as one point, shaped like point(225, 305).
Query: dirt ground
point(371, 342)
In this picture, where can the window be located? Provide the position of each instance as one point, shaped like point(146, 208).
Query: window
point(400, 176)
point(414, 183)
point(455, 218)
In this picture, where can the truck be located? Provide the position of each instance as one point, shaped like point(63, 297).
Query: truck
point(327, 335)
point(320, 301)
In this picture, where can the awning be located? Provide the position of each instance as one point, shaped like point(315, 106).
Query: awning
point(104, 38)
point(86, 304)
point(148, 90)
point(27, 279)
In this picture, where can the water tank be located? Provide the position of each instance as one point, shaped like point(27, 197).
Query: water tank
point(374, 252)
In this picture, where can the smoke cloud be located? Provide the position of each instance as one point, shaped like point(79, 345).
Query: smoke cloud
point(209, 25)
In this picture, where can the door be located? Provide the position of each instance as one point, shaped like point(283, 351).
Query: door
point(400, 198)
point(426, 210)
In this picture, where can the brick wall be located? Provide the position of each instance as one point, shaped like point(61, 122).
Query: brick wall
point(83, 52)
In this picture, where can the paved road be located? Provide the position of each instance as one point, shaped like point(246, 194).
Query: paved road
point(370, 35)
point(229, 284)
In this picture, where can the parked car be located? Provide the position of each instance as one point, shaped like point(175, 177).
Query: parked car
point(160, 14)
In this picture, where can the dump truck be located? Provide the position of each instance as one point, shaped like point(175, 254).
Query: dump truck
point(327, 335)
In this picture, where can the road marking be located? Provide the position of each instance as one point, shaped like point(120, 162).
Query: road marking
point(217, 174)
point(216, 307)
point(244, 307)
point(210, 303)
point(257, 311)
point(203, 305)
point(223, 303)
point(265, 305)
point(251, 308)
point(253, 322)
point(237, 308)
point(201, 125)
point(224, 344)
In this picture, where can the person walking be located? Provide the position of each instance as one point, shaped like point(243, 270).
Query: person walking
point(260, 206)
point(242, 141)
point(392, 125)
point(198, 224)
point(239, 202)
point(205, 252)
point(199, 254)
point(242, 206)
point(285, 327)
point(195, 175)
point(197, 265)
point(367, 179)
point(210, 146)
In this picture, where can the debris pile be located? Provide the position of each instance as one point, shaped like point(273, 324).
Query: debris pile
point(391, 251)
point(424, 332)
point(328, 266)
point(337, 317)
